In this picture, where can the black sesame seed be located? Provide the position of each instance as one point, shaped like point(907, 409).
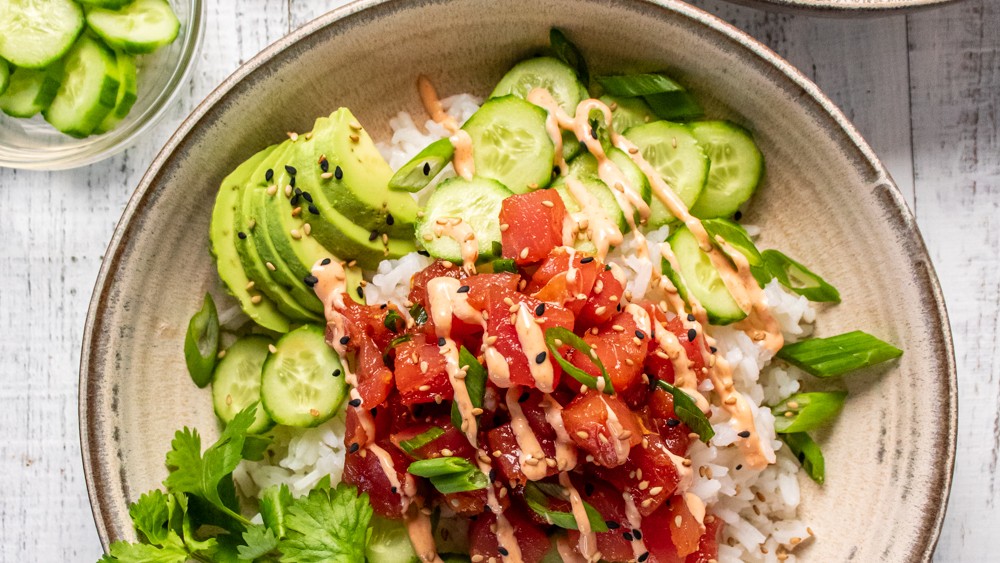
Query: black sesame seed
point(354, 447)
point(692, 334)
point(324, 165)
point(338, 173)
point(290, 169)
point(540, 358)
point(313, 209)
point(373, 236)
point(739, 466)
point(588, 489)
point(311, 280)
point(587, 260)
point(297, 190)
point(442, 341)
point(612, 525)
point(627, 536)
point(307, 196)
point(672, 422)
point(427, 169)
point(464, 289)
point(269, 175)
point(373, 411)
point(295, 200)
point(540, 309)
point(344, 340)
point(503, 551)
point(325, 262)
point(618, 307)
point(354, 402)
point(242, 235)
point(593, 132)
point(640, 334)
point(713, 349)
point(361, 292)
point(423, 253)
point(393, 489)
point(493, 474)
point(607, 267)
point(738, 215)
point(383, 306)
point(524, 397)
point(643, 557)
point(744, 434)
point(336, 373)
point(690, 317)
point(389, 219)
point(291, 181)
point(637, 533)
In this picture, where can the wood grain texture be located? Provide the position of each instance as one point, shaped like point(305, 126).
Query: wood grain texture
point(938, 71)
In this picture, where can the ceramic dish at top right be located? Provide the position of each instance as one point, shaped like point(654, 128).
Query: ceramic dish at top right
point(845, 8)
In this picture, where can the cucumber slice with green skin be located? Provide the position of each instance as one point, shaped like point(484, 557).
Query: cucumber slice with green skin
point(89, 89)
point(4, 76)
point(628, 112)
point(140, 27)
point(477, 202)
point(699, 278)
point(127, 93)
point(599, 190)
point(674, 152)
point(390, 542)
point(37, 33)
point(109, 4)
point(585, 166)
point(30, 90)
point(298, 386)
point(510, 143)
point(236, 382)
point(735, 169)
point(571, 146)
point(543, 72)
point(223, 244)
point(416, 174)
point(257, 252)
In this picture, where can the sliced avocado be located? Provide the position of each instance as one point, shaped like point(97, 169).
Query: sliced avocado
point(265, 234)
point(223, 244)
point(360, 190)
point(248, 249)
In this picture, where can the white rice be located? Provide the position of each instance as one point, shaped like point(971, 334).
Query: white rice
point(759, 507)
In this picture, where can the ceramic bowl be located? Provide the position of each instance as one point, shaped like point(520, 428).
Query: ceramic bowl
point(826, 199)
point(846, 8)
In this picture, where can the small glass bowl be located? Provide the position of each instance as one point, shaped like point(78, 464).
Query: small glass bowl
point(33, 144)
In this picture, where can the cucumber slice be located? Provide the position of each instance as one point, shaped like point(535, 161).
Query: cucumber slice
point(543, 72)
point(585, 165)
point(735, 169)
point(4, 76)
point(298, 386)
point(510, 143)
point(236, 382)
point(390, 542)
point(30, 90)
point(36, 33)
point(109, 4)
point(127, 93)
point(699, 278)
point(571, 146)
point(628, 112)
point(140, 27)
point(477, 202)
point(676, 155)
point(89, 89)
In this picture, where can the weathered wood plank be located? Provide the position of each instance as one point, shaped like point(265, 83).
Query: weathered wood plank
point(955, 93)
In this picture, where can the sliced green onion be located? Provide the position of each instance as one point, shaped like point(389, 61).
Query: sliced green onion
point(675, 106)
point(633, 85)
point(419, 314)
point(424, 167)
point(808, 453)
point(837, 355)
point(201, 343)
point(504, 265)
point(567, 338)
point(803, 412)
point(395, 342)
point(392, 320)
point(737, 237)
point(421, 440)
point(568, 53)
point(450, 474)
point(688, 412)
point(475, 383)
point(536, 496)
point(799, 279)
point(497, 248)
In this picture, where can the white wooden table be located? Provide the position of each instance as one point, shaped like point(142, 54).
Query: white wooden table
point(924, 89)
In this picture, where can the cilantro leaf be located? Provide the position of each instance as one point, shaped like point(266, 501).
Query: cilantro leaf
point(274, 505)
point(173, 552)
point(151, 515)
point(327, 525)
point(259, 542)
point(201, 474)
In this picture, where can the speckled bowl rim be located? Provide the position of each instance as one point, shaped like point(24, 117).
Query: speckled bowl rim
point(856, 8)
point(96, 470)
